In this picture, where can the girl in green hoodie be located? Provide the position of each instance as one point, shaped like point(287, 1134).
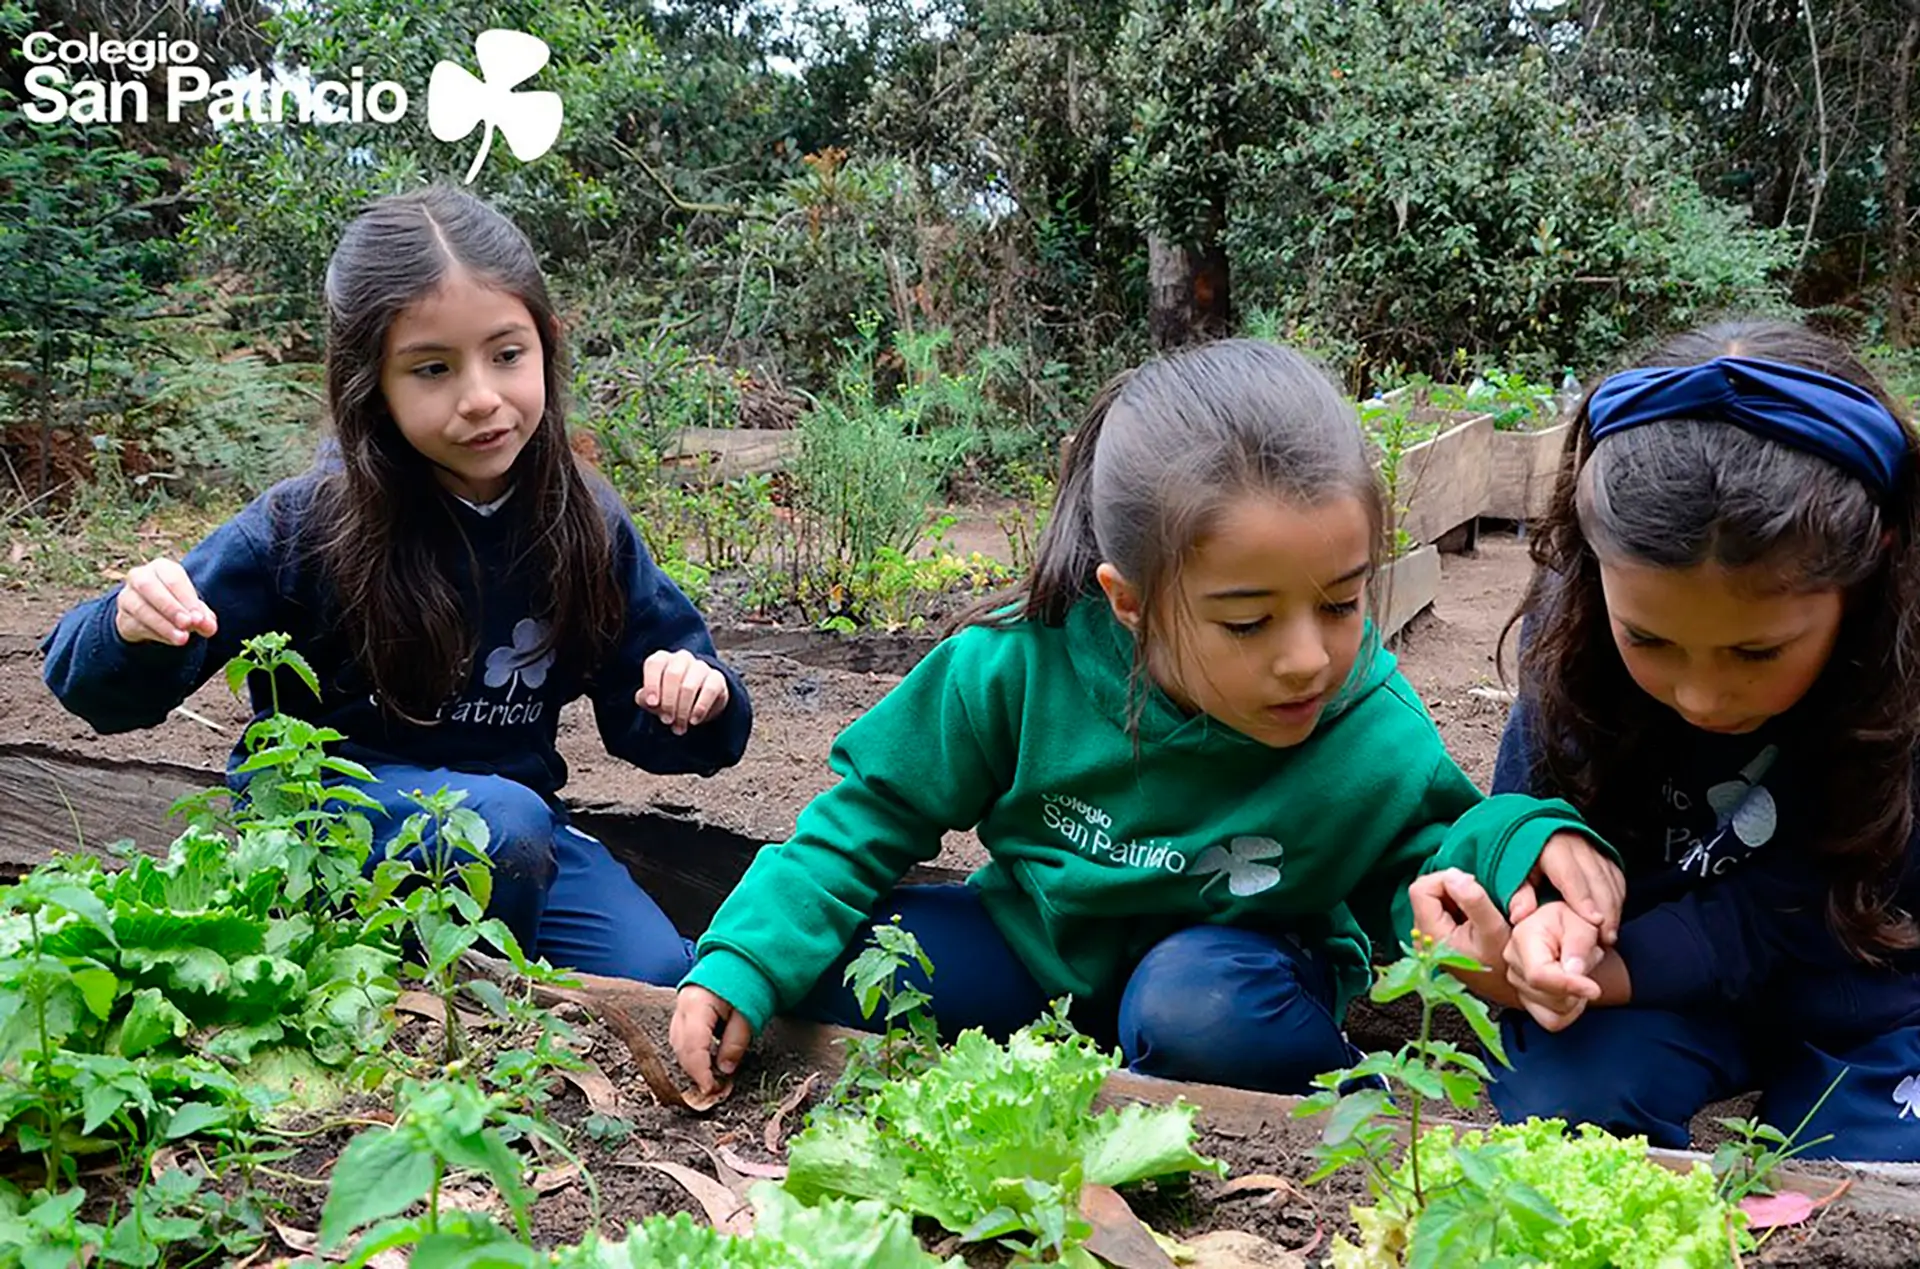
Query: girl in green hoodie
point(1203, 785)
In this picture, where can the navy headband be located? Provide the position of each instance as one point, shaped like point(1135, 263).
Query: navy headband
point(1798, 407)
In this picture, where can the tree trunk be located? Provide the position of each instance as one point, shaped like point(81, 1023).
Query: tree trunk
point(1187, 289)
point(1899, 165)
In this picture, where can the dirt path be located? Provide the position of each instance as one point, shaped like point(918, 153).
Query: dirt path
point(799, 708)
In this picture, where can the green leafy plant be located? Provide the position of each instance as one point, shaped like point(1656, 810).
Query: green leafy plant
point(438, 1127)
point(1516, 402)
point(1394, 427)
point(1530, 1194)
point(995, 1141)
point(442, 851)
point(909, 1038)
point(833, 1234)
point(1747, 1162)
point(1513, 1195)
point(1360, 1101)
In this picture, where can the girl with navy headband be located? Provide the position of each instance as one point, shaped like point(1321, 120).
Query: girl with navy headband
point(1718, 668)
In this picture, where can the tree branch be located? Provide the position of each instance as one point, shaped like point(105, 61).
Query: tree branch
point(734, 210)
point(1820, 114)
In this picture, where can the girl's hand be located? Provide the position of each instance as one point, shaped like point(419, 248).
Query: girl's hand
point(698, 1016)
point(1452, 908)
point(158, 604)
point(1590, 883)
point(1551, 961)
point(682, 690)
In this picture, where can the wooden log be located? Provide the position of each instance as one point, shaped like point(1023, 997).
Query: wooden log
point(723, 453)
point(54, 800)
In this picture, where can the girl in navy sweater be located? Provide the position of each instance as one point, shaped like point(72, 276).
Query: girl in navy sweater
point(1719, 669)
point(453, 575)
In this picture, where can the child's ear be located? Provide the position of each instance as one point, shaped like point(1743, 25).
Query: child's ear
point(1121, 596)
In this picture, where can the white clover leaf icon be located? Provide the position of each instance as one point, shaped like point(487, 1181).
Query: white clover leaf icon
point(1907, 1094)
point(521, 662)
point(1241, 860)
point(457, 101)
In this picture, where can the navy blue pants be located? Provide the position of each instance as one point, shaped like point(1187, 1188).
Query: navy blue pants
point(1650, 1071)
point(1211, 1004)
point(559, 890)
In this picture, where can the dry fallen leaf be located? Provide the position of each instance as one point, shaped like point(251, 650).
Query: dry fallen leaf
point(597, 1088)
point(747, 1167)
point(1118, 1236)
point(726, 1211)
point(296, 1239)
point(471, 1196)
point(615, 1001)
point(1270, 1186)
point(1233, 1249)
point(556, 1179)
point(434, 1009)
point(165, 1159)
point(793, 1102)
point(1788, 1207)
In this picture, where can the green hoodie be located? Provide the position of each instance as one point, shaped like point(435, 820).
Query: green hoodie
point(1101, 847)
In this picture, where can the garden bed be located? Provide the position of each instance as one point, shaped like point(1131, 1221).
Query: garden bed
point(1406, 587)
point(1524, 467)
point(1443, 482)
point(1875, 1224)
point(1266, 1149)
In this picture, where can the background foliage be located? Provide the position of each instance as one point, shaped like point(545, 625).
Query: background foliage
point(978, 209)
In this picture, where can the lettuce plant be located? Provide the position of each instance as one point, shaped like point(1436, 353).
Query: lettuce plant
point(1529, 1194)
point(995, 1142)
point(834, 1234)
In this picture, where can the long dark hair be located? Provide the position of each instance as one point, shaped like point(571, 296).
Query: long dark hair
point(1164, 449)
point(384, 521)
point(1683, 493)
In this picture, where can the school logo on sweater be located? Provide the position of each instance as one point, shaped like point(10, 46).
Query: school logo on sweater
point(519, 666)
point(1744, 812)
point(1244, 861)
point(1089, 830)
point(520, 661)
point(1907, 1094)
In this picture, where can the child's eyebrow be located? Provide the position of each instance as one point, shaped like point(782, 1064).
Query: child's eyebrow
point(1262, 592)
point(1745, 645)
point(428, 345)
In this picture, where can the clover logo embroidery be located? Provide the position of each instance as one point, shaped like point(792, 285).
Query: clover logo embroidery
point(517, 663)
point(1745, 804)
point(1907, 1093)
point(457, 102)
point(1241, 860)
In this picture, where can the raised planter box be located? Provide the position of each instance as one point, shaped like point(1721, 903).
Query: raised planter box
point(1444, 482)
point(1405, 588)
point(1524, 468)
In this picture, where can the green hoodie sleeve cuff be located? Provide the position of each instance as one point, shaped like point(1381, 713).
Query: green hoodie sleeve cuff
point(1500, 840)
point(736, 980)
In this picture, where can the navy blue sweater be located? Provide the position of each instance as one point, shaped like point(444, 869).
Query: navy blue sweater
point(258, 573)
point(1726, 905)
